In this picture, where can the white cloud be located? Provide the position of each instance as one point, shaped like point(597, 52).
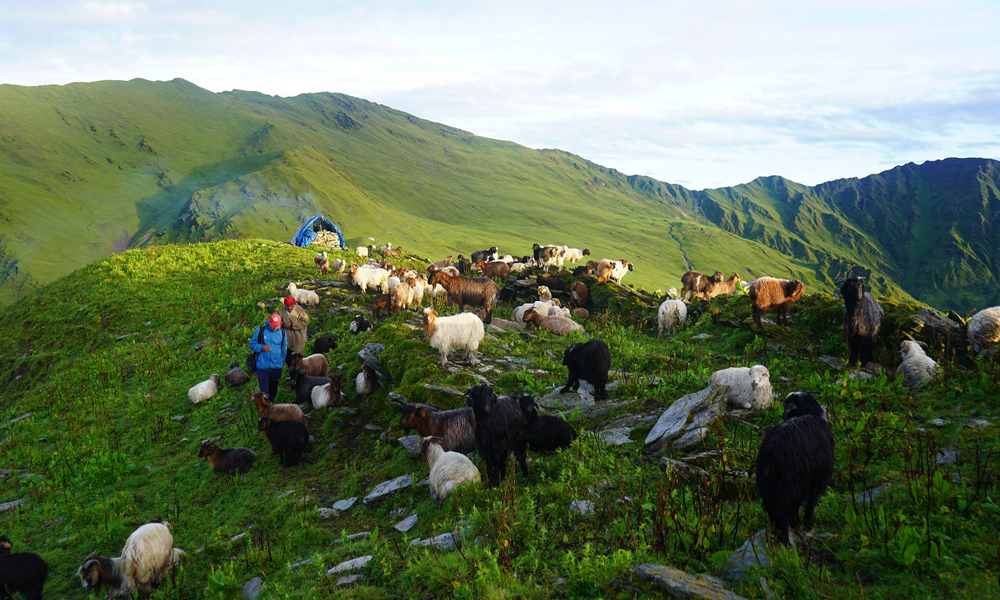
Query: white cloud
point(113, 10)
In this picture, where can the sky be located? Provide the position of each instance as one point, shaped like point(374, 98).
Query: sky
point(703, 95)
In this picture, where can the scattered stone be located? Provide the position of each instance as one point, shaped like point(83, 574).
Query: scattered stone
point(412, 445)
point(199, 345)
point(871, 494)
point(977, 424)
point(948, 456)
point(388, 487)
point(702, 336)
point(685, 423)
point(350, 565)
point(15, 420)
point(371, 427)
point(860, 375)
point(406, 524)
point(753, 553)
point(444, 389)
point(9, 506)
point(286, 493)
point(584, 507)
point(834, 362)
point(328, 513)
point(344, 504)
point(444, 542)
point(938, 422)
point(679, 584)
point(252, 588)
point(134, 333)
point(178, 418)
point(302, 563)
point(52, 522)
point(349, 580)
point(616, 436)
point(236, 537)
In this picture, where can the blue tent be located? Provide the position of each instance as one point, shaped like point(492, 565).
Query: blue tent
point(307, 233)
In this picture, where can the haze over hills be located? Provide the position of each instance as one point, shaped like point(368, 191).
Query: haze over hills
point(90, 169)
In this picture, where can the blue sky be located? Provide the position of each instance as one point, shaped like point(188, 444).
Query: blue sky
point(703, 96)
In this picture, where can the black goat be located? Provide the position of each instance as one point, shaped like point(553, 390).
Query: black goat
point(553, 283)
point(544, 433)
point(499, 431)
point(23, 572)
point(507, 294)
point(288, 438)
point(590, 361)
point(303, 384)
point(484, 255)
point(862, 317)
point(795, 464)
point(325, 343)
point(359, 324)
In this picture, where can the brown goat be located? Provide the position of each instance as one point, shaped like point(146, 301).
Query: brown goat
point(717, 288)
point(456, 427)
point(767, 293)
point(439, 264)
point(697, 284)
point(228, 460)
point(497, 269)
point(277, 412)
point(322, 262)
point(553, 283)
point(315, 365)
point(468, 291)
point(379, 302)
point(393, 251)
point(579, 293)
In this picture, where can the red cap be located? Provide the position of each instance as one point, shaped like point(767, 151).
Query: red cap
point(275, 320)
point(289, 301)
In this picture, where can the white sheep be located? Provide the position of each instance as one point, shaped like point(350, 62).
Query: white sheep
point(204, 390)
point(365, 277)
point(541, 306)
point(609, 269)
point(339, 265)
point(671, 316)
point(749, 387)
point(303, 297)
point(147, 558)
point(362, 251)
point(463, 330)
point(448, 469)
point(572, 255)
point(917, 368)
point(983, 329)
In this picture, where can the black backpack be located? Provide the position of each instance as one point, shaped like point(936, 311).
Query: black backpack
point(252, 357)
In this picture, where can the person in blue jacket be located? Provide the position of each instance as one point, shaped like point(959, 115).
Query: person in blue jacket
point(270, 355)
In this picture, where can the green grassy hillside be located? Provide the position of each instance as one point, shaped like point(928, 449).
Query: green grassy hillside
point(98, 364)
point(100, 167)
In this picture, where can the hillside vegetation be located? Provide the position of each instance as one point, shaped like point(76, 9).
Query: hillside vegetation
point(97, 436)
point(101, 167)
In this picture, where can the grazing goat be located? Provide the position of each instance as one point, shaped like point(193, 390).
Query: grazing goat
point(572, 255)
point(324, 343)
point(322, 262)
point(671, 316)
point(460, 331)
point(544, 433)
point(362, 251)
point(613, 270)
point(767, 293)
point(236, 376)
point(917, 368)
point(448, 469)
point(365, 277)
point(393, 251)
point(21, 572)
point(455, 428)
point(587, 270)
point(228, 460)
point(339, 265)
point(579, 293)
point(303, 385)
point(496, 269)
point(303, 297)
point(147, 558)
point(499, 431)
point(549, 256)
point(697, 284)
point(749, 387)
point(795, 464)
point(589, 361)
point(717, 288)
point(557, 324)
point(204, 390)
point(544, 293)
point(315, 365)
point(331, 394)
point(983, 330)
point(484, 255)
point(468, 291)
point(359, 324)
point(277, 412)
point(862, 317)
point(287, 438)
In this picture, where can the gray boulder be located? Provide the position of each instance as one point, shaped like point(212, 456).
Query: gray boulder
point(685, 423)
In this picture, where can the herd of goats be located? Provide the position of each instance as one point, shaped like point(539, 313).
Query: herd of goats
point(794, 463)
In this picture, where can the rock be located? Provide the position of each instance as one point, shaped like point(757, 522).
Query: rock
point(702, 336)
point(444, 389)
point(388, 487)
point(834, 362)
point(15, 420)
point(301, 563)
point(936, 328)
point(685, 423)
point(948, 456)
point(584, 507)
point(871, 494)
point(344, 504)
point(679, 584)
point(252, 588)
point(8, 506)
point(202, 344)
point(350, 565)
point(938, 422)
point(554, 399)
point(616, 436)
point(753, 553)
point(412, 445)
point(349, 580)
point(328, 513)
point(444, 542)
point(977, 424)
point(406, 524)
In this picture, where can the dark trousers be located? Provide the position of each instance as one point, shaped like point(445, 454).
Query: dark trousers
point(268, 380)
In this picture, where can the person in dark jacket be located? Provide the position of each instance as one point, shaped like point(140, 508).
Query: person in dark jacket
point(270, 356)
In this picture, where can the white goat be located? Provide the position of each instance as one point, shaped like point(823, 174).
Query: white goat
point(448, 469)
point(671, 316)
point(147, 558)
point(365, 277)
point(303, 297)
point(362, 251)
point(443, 333)
point(917, 368)
point(204, 390)
point(749, 387)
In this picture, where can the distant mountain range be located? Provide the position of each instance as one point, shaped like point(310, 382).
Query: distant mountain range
point(90, 169)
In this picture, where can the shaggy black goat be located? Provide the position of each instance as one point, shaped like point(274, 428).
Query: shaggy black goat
point(862, 317)
point(507, 294)
point(325, 343)
point(23, 572)
point(359, 324)
point(303, 384)
point(456, 428)
point(553, 283)
point(544, 433)
point(795, 464)
point(486, 255)
point(499, 431)
point(589, 361)
point(288, 438)
point(228, 460)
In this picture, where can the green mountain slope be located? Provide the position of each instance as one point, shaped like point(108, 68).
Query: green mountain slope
point(98, 167)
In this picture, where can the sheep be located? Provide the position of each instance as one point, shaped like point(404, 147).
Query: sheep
point(463, 330)
point(495, 269)
point(21, 572)
point(287, 438)
point(767, 293)
point(608, 270)
point(322, 262)
point(236, 376)
point(499, 431)
point(455, 428)
point(380, 302)
point(331, 394)
point(588, 361)
point(365, 277)
point(303, 385)
point(717, 288)
point(362, 251)
point(559, 325)
point(484, 255)
point(303, 297)
point(572, 255)
point(146, 559)
point(315, 365)
point(324, 343)
point(434, 266)
point(359, 324)
point(366, 382)
point(338, 265)
point(544, 433)
point(471, 291)
point(749, 387)
point(917, 368)
point(696, 284)
point(402, 295)
point(227, 460)
point(552, 283)
point(448, 470)
point(983, 330)
point(559, 311)
point(277, 412)
point(579, 293)
point(204, 390)
point(671, 316)
point(794, 464)
point(391, 283)
point(862, 317)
